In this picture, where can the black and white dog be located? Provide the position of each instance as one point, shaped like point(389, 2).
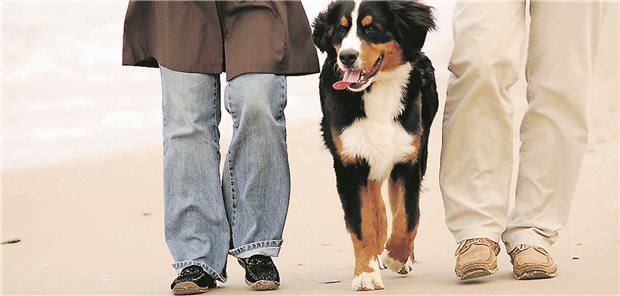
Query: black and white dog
point(379, 98)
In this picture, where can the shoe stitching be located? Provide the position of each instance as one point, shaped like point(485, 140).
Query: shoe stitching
point(465, 245)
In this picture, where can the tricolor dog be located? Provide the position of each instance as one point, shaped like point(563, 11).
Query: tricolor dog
point(378, 98)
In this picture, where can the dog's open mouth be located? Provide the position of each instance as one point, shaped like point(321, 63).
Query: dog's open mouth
point(357, 80)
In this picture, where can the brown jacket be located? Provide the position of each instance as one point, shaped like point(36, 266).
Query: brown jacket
point(259, 37)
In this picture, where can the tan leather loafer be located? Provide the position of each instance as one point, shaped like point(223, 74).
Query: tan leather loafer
point(532, 262)
point(476, 257)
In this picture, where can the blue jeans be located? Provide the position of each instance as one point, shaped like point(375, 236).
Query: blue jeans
point(243, 214)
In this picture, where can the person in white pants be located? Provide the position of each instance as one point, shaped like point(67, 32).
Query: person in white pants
point(477, 151)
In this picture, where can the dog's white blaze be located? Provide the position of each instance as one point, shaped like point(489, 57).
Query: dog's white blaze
point(369, 280)
point(378, 137)
point(352, 41)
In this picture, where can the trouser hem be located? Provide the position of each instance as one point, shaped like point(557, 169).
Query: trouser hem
point(269, 248)
point(513, 240)
point(461, 236)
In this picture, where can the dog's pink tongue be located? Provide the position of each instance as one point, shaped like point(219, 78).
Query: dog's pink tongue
point(348, 78)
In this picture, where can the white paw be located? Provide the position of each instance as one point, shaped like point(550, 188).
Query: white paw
point(395, 265)
point(368, 281)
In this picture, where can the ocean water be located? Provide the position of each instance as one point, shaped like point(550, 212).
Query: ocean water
point(66, 97)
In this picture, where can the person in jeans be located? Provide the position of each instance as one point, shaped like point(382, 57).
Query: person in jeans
point(242, 212)
point(477, 153)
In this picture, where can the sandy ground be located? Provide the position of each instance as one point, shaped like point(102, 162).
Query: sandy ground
point(96, 226)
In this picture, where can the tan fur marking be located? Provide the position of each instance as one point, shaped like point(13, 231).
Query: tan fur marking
point(344, 22)
point(346, 159)
point(400, 244)
point(367, 20)
point(379, 218)
point(337, 47)
point(413, 156)
point(414, 233)
point(392, 55)
point(374, 228)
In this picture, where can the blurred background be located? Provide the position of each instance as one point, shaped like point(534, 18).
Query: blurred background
point(66, 97)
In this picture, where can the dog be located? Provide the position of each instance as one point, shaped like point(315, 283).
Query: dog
point(378, 99)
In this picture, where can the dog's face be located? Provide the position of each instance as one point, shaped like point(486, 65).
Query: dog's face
point(368, 37)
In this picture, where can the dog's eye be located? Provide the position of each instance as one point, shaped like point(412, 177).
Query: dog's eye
point(370, 29)
point(342, 30)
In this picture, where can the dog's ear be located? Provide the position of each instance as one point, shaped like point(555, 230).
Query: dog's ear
point(322, 31)
point(412, 20)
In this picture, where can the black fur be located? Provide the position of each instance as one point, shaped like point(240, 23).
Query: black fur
point(407, 22)
point(412, 20)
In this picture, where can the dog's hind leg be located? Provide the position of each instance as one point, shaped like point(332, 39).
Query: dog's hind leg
point(404, 191)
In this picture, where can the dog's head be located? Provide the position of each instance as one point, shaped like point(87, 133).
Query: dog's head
point(368, 37)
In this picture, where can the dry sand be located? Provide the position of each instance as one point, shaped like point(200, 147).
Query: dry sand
point(96, 226)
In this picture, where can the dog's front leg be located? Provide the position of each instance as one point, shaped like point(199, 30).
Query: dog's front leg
point(374, 235)
point(366, 222)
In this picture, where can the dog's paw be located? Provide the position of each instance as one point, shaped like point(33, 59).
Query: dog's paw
point(368, 281)
point(402, 268)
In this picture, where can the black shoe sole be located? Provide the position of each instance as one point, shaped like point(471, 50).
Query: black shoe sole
point(188, 288)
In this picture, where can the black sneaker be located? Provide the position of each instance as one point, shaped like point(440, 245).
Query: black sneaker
point(192, 280)
point(260, 273)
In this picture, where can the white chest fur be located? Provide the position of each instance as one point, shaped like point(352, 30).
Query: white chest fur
point(378, 137)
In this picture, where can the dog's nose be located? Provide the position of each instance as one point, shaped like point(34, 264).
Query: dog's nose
point(348, 56)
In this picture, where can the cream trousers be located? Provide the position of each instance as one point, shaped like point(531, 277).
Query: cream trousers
point(477, 152)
